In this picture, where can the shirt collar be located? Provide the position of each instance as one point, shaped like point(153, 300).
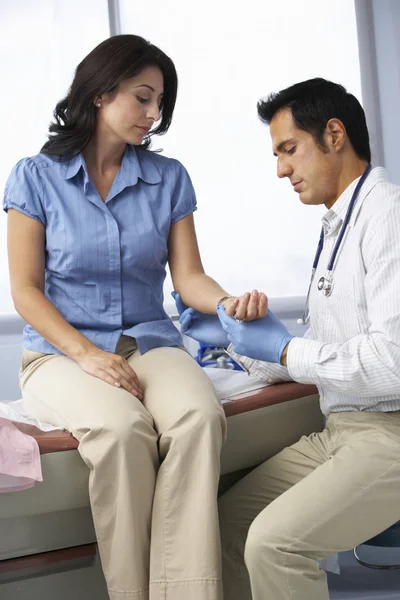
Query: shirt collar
point(138, 164)
point(135, 165)
point(70, 168)
point(334, 217)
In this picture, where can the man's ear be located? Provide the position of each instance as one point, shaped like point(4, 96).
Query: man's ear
point(335, 135)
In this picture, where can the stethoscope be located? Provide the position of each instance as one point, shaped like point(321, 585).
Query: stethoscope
point(325, 284)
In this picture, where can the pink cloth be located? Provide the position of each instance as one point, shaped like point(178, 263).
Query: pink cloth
point(19, 459)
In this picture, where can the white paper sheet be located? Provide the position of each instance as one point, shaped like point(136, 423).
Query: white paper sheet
point(227, 383)
point(15, 410)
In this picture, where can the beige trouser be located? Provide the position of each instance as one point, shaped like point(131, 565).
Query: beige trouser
point(327, 493)
point(154, 468)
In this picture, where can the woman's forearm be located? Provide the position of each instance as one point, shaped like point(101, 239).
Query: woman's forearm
point(201, 292)
point(42, 315)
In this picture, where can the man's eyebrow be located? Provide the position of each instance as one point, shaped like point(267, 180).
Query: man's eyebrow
point(282, 144)
point(149, 87)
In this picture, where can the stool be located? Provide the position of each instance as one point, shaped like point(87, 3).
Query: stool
point(390, 538)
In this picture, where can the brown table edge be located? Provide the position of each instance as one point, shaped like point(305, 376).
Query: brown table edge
point(268, 396)
point(47, 558)
point(61, 441)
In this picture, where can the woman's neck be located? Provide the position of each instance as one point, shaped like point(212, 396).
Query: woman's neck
point(102, 157)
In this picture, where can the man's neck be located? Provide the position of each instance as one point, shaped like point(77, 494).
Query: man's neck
point(351, 170)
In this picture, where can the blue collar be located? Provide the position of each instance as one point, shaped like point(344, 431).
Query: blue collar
point(136, 164)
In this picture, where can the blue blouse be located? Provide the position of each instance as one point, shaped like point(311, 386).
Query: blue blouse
point(105, 261)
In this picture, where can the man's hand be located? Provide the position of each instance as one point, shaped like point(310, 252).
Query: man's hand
point(264, 339)
point(199, 326)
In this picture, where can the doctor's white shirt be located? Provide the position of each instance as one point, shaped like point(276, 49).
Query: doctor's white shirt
point(352, 348)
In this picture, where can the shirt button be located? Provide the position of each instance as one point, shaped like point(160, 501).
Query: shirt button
point(269, 380)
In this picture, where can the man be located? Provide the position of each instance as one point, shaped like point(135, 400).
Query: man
point(332, 490)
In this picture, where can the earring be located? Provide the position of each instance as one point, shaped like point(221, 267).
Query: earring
point(99, 104)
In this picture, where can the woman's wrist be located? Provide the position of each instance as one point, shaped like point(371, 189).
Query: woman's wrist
point(222, 300)
point(77, 348)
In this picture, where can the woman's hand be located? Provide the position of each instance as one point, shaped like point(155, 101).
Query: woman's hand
point(112, 369)
point(248, 307)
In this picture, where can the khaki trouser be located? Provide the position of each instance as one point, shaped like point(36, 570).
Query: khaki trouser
point(327, 493)
point(154, 467)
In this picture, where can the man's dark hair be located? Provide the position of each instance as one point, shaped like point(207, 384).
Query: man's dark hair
point(313, 103)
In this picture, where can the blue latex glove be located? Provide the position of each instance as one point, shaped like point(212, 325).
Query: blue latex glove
point(200, 326)
point(264, 339)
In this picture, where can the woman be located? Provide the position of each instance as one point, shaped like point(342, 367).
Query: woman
point(93, 220)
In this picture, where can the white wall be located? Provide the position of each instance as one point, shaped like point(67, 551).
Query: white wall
point(252, 229)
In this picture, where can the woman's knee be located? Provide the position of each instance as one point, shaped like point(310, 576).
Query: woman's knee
point(207, 420)
point(196, 431)
point(126, 429)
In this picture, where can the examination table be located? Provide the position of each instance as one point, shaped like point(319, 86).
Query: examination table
point(47, 540)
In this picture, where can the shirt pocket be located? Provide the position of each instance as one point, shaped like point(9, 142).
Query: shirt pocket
point(343, 306)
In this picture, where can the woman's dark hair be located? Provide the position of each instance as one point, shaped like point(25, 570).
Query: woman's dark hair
point(313, 103)
point(111, 62)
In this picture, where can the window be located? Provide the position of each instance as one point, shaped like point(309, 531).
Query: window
point(252, 229)
point(41, 43)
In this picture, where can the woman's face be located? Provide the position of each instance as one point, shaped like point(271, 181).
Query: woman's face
point(129, 114)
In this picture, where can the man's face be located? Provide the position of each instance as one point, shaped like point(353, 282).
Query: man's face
point(312, 171)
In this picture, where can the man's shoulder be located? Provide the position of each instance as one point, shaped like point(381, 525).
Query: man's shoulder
point(383, 194)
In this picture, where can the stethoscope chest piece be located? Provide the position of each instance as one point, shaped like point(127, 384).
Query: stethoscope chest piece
point(328, 288)
point(325, 285)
